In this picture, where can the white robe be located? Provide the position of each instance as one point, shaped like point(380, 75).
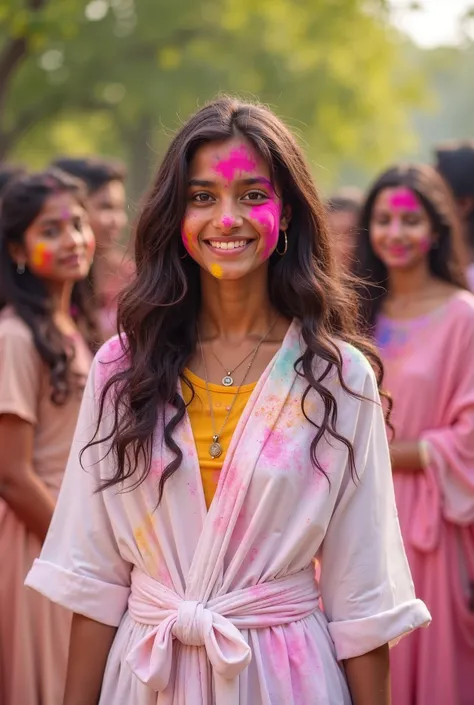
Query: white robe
point(222, 606)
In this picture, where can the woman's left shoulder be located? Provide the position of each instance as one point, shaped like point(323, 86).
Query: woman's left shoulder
point(357, 371)
point(461, 306)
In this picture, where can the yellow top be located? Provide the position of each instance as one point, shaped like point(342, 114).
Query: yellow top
point(201, 424)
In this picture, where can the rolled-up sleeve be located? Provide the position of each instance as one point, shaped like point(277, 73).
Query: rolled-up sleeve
point(366, 586)
point(80, 566)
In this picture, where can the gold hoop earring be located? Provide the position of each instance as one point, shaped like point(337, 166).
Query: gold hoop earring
point(286, 246)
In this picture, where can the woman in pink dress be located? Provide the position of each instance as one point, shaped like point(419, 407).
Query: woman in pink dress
point(423, 319)
point(46, 250)
point(241, 362)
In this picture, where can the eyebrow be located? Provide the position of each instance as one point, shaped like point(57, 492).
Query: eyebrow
point(244, 182)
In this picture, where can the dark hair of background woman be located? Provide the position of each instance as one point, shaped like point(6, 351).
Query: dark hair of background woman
point(159, 310)
point(447, 260)
point(22, 202)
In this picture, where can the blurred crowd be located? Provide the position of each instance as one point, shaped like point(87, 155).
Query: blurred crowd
point(65, 256)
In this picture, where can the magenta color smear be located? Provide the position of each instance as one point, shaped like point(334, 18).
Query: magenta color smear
point(268, 215)
point(404, 198)
point(227, 221)
point(238, 161)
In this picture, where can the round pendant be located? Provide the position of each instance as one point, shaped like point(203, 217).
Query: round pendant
point(227, 381)
point(215, 450)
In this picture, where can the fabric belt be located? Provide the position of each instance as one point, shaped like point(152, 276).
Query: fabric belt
point(214, 625)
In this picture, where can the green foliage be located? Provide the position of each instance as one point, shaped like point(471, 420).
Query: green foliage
point(117, 76)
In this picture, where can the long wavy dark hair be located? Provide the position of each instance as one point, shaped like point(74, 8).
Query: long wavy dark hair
point(447, 261)
point(159, 311)
point(26, 293)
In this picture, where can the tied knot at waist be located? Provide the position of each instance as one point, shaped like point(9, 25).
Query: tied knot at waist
point(193, 623)
point(214, 625)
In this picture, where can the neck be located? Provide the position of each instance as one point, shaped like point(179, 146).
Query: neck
point(61, 297)
point(235, 309)
point(408, 283)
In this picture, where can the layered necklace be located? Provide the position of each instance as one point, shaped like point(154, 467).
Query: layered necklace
point(215, 449)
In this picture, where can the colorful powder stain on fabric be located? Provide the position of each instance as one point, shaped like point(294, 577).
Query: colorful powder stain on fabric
point(216, 270)
point(405, 199)
point(238, 161)
point(41, 256)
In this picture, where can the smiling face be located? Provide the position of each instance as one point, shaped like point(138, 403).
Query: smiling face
point(401, 233)
point(58, 245)
point(233, 215)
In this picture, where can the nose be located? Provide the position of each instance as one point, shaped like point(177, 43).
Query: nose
point(227, 218)
point(73, 238)
point(395, 228)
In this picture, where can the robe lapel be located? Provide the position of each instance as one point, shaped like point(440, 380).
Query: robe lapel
point(253, 429)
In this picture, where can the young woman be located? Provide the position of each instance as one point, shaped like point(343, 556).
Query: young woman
point(105, 204)
point(239, 434)
point(46, 249)
point(423, 319)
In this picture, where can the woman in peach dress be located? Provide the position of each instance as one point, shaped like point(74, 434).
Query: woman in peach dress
point(423, 318)
point(46, 249)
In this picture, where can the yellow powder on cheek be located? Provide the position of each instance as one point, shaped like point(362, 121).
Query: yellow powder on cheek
point(216, 271)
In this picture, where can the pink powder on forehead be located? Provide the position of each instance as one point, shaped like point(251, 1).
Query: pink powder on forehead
point(404, 198)
point(238, 161)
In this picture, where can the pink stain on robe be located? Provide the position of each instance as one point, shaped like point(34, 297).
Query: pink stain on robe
point(430, 373)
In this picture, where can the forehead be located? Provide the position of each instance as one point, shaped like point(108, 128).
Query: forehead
point(398, 198)
point(60, 206)
point(229, 160)
point(111, 191)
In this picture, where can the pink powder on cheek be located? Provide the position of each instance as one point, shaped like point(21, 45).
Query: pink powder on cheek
point(268, 216)
point(238, 161)
point(406, 199)
point(425, 245)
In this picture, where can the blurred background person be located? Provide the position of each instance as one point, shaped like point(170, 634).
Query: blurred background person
point(9, 172)
point(422, 316)
point(46, 250)
point(105, 203)
point(455, 162)
point(343, 209)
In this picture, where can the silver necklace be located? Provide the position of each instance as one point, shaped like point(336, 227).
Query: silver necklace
point(215, 449)
point(228, 380)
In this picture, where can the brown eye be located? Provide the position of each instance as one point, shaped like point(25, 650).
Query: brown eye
point(255, 196)
point(202, 197)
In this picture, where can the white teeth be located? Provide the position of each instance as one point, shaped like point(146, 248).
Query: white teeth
point(226, 245)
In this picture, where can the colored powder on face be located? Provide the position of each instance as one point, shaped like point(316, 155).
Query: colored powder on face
point(238, 161)
point(425, 245)
point(41, 256)
point(406, 199)
point(216, 270)
point(187, 241)
point(268, 215)
point(66, 215)
point(227, 221)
